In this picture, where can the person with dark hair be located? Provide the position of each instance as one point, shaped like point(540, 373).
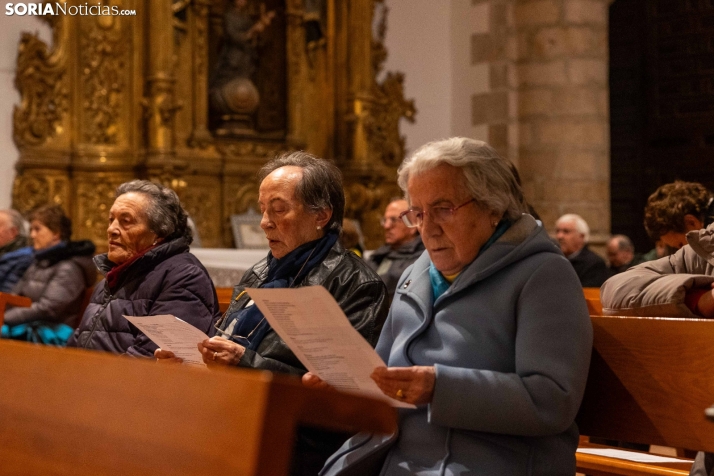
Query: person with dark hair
point(488, 334)
point(621, 254)
point(148, 271)
point(55, 281)
point(402, 246)
point(675, 209)
point(302, 204)
point(15, 254)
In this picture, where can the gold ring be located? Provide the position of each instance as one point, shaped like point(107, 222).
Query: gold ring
point(214, 355)
point(400, 394)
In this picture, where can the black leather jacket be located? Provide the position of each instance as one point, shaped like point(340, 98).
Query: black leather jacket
point(356, 288)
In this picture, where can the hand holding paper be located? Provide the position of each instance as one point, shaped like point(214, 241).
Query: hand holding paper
point(312, 324)
point(173, 334)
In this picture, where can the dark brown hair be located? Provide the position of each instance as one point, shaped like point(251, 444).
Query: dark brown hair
point(667, 206)
point(53, 217)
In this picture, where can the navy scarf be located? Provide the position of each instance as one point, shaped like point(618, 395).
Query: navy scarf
point(251, 328)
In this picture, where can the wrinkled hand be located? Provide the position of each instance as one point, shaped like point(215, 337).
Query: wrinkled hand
point(220, 351)
point(313, 381)
point(409, 384)
point(166, 356)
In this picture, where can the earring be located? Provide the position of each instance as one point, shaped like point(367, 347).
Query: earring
point(319, 228)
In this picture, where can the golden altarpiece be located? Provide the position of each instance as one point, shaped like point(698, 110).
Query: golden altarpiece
point(120, 97)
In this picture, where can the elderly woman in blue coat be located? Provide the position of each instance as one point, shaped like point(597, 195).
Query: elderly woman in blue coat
point(488, 334)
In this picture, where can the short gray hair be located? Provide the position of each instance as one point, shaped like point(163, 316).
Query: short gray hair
point(320, 187)
point(167, 218)
point(581, 226)
point(16, 221)
point(487, 175)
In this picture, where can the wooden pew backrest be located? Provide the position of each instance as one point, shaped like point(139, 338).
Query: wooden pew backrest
point(69, 411)
point(650, 381)
point(224, 298)
point(15, 300)
point(592, 298)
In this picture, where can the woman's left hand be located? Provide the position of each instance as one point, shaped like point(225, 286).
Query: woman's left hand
point(220, 351)
point(409, 384)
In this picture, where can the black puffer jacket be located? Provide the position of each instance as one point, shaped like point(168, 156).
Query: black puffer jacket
point(166, 280)
point(356, 288)
point(55, 281)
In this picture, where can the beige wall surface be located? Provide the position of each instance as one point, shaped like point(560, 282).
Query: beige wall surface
point(431, 42)
point(419, 45)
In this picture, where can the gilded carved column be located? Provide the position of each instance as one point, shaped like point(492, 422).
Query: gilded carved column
point(361, 79)
point(160, 104)
point(104, 134)
point(200, 137)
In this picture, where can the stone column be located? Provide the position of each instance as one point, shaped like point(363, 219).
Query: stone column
point(560, 79)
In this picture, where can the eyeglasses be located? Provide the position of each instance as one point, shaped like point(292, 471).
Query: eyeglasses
point(413, 218)
point(238, 339)
point(391, 220)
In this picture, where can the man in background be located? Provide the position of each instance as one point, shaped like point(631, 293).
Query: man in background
point(573, 234)
point(402, 246)
point(15, 254)
point(621, 254)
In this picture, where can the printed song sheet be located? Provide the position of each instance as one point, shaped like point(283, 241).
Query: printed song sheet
point(171, 333)
point(312, 324)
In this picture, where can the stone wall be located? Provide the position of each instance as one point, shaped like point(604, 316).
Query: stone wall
point(547, 104)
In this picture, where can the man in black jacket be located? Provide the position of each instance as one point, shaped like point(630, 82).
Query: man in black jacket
point(573, 234)
point(402, 246)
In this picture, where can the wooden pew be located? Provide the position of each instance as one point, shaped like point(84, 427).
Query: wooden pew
point(13, 299)
point(592, 298)
point(650, 380)
point(68, 411)
point(224, 298)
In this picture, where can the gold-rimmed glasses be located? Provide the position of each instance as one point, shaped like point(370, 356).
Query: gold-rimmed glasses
point(414, 217)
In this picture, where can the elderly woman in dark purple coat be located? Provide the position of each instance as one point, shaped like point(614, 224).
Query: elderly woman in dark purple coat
point(148, 271)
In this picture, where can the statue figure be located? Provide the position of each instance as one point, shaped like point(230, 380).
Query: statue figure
point(231, 90)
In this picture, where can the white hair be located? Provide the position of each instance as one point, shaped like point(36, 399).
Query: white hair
point(15, 220)
point(580, 225)
point(487, 176)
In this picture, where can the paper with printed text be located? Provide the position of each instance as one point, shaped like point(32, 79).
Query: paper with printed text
point(316, 329)
point(171, 333)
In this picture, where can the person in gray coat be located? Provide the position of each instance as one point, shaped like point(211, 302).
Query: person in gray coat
point(55, 281)
point(488, 334)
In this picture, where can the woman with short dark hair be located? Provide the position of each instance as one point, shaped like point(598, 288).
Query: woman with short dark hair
point(55, 281)
point(148, 271)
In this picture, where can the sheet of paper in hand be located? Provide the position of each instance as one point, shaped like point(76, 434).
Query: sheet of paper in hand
point(171, 333)
point(313, 325)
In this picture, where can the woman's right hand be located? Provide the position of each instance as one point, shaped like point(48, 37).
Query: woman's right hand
point(313, 381)
point(166, 356)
